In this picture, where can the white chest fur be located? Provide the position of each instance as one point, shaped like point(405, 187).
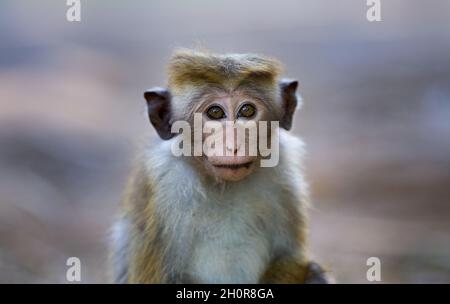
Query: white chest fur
point(232, 249)
point(225, 235)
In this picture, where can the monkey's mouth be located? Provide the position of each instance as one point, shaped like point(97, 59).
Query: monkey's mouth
point(234, 166)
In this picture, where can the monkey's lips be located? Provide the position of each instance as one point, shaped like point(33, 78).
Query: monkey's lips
point(234, 166)
point(232, 171)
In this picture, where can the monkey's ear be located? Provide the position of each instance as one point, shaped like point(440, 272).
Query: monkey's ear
point(289, 101)
point(159, 112)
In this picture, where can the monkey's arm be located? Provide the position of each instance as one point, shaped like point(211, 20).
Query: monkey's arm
point(138, 250)
point(136, 257)
point(290, 271)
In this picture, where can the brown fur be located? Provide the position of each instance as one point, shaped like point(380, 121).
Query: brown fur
point(146, 264)
point(192, 68)
point(286, 271)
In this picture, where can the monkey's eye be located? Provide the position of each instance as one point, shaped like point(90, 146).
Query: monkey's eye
point(215, 112)
point(247, 111)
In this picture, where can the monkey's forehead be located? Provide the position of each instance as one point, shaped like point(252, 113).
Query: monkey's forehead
point(188, 67)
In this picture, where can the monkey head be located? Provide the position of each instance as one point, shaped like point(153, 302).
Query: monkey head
point(233, 91)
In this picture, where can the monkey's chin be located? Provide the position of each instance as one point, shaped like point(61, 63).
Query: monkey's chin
point(233, 173)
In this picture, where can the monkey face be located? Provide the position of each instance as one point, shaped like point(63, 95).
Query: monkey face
point(231, 148)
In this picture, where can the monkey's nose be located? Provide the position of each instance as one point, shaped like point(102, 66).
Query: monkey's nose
point(232, 141)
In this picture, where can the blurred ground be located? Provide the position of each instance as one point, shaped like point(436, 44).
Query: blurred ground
point(376, 120)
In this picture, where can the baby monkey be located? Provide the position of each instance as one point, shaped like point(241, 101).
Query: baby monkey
point(221, 216)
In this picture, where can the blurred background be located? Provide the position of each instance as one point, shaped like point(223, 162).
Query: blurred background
point(376, 120)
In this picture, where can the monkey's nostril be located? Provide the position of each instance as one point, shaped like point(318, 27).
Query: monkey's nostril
point(232, 149)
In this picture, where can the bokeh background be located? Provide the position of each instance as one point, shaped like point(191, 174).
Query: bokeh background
point(376, 120)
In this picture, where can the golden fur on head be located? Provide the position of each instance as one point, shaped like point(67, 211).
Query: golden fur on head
point(195, 68)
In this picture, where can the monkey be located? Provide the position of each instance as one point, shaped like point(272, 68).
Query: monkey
point(217, 218)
